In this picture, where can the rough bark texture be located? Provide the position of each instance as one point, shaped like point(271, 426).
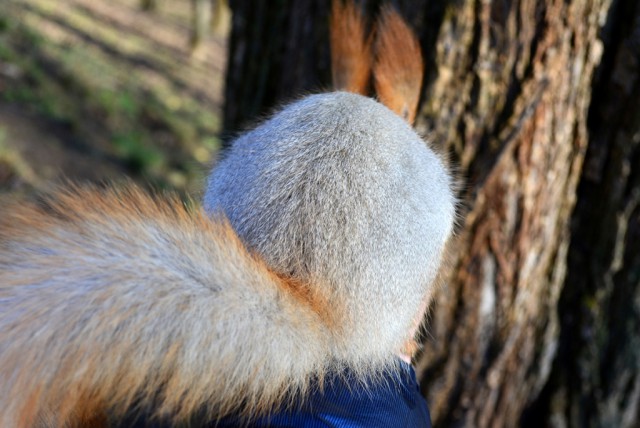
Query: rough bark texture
point(596, 378)
point(517, 125)
point(539, 322)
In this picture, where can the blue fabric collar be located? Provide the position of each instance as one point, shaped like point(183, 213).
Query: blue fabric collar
point(394, 400)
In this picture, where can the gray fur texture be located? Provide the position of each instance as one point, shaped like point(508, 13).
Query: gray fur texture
point(341, 193)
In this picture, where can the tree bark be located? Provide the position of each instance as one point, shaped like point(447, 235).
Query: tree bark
point(277, 49)
point(201, 14)
point(538, 321)
point(510, 102)
point(595, 380)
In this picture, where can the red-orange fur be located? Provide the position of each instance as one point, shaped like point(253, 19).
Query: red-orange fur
point(350, 49)
point(75, 366)
point(398, 66)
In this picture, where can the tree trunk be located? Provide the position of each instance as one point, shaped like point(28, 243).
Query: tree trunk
point(595, 380)
point(538, 322)
point(277, 49)
point(510, 102)
point(201, 13)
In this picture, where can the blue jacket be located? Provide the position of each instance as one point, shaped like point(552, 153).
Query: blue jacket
point(393, 401)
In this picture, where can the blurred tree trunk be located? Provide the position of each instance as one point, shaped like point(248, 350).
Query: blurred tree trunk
point(206, 16)
point(595, 380)
point(539, 323)
point(201, 13)
point(277, 50)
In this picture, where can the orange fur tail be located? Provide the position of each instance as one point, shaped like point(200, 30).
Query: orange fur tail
point(350, 49)
point(398, 66)
point(114, 301)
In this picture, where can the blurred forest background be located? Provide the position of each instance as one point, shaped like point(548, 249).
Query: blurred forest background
point(536, 103)
point(99, 89)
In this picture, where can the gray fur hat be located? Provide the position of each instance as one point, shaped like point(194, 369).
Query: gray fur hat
point(341, 193)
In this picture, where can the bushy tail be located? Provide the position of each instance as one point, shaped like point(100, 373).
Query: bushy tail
point(113, 298)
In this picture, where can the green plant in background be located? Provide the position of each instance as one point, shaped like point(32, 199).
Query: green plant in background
point(139, 156)
point(4, 24)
